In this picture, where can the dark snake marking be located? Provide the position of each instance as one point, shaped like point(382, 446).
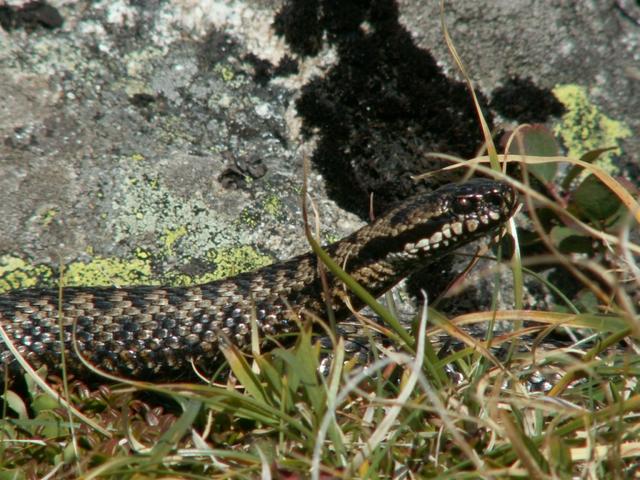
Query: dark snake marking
point(152, 333)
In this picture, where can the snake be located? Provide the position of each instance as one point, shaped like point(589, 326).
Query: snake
point(163, 332)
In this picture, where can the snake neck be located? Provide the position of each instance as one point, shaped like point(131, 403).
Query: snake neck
point(417, 233)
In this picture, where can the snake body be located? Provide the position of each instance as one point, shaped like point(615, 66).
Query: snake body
point(151, 332)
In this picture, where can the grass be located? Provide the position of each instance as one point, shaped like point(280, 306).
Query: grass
point(404, 416)
point(469, 412)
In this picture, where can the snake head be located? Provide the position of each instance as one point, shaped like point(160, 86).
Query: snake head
point(431, 224)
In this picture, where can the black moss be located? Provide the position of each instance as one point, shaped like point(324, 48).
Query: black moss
point(522, 100)
point(381, 108)
point(30, 16)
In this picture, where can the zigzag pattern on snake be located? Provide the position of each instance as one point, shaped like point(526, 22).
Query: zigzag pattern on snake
point(154, 332)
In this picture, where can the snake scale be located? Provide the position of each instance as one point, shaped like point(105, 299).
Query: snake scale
point(151, 332)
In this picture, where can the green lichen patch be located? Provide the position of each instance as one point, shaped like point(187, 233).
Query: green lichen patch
point(225, 262)
point(273, 205)
point(103, 271)
point(16, 273)
point(270, 204)
point(171, 236)
point(48, 216)
point(584, 127)
point(186, 231)
point(226, 73)
point(231, 261)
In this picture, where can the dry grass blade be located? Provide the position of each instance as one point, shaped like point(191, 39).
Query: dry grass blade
point(483, 123)
point(623, 194)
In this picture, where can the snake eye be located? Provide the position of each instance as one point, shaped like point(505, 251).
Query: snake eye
point(494, 199)
point(464, 205)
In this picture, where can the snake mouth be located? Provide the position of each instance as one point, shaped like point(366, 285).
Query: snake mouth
point(443, 220)
point(470, 211)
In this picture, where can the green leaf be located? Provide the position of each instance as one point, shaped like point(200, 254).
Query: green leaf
point(532, 448)
point(242, 370)
point(560, 457)
point(272, 372)
point(50, 425)
point(569, 241)
point(594, 201)
point(589, 157)
point(169, 440)
point(15, 403)
point(587, 301)
point(302, 367)
point(307, 354)
point(43, 402)
point(539, 141)
point(14, 474)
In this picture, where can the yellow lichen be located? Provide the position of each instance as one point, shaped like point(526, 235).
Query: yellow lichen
point(584, 127)
point(48, 216)
point(248, 217)
point(273, 205)
point(172, 236)
point(226, 73)
point(102, 271)
point(231, 261)
point(15, 273)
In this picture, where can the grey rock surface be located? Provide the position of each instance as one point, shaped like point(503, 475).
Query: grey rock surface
point(137, 147)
